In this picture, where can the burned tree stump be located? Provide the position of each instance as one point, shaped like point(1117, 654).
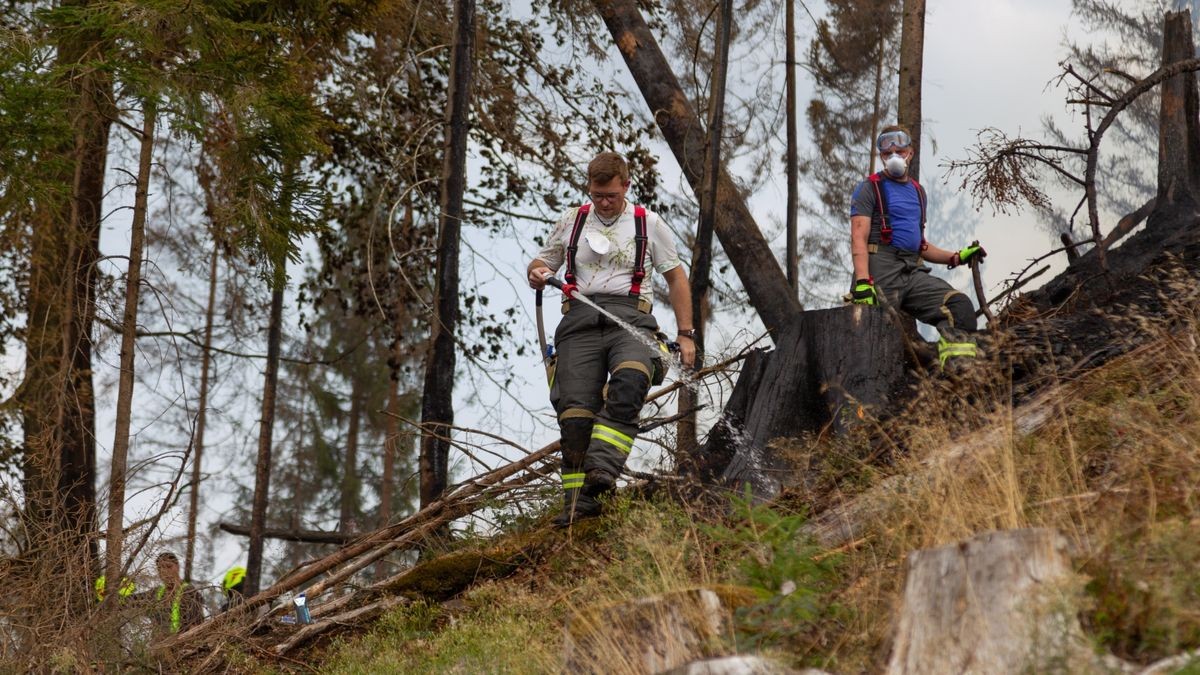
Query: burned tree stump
point(829, 368)
point(991, 604)
point(718, 450)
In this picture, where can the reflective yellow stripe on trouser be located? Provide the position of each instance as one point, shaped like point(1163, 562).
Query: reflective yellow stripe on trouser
point(947, 349)
point(615, 438)
point(572, 480)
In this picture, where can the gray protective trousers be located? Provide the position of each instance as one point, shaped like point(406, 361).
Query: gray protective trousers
point(906, 284)
point(598, 427)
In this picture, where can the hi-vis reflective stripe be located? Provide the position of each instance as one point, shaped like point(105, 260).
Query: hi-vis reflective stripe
point(948, 349)
point(572, 480)
point(613, 437)
point(176, 602)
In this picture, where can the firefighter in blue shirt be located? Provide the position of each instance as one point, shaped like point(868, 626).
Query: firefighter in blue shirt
point(889, 249)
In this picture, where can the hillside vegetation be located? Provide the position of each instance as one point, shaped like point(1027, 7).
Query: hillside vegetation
point(1113, 466)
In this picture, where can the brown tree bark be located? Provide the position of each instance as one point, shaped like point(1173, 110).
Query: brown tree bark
point(115, 539)
point(912, 50)
point(391, 445)
point(349, 503)
point(201, 416)
point(437, 405)
point(739, 235)
point(262, 467)
point(56, 397)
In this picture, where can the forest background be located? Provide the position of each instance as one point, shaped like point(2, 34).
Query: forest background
point(299, 154)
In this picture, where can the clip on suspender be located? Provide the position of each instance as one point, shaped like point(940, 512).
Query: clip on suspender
point(573, 242)
point(639, 256)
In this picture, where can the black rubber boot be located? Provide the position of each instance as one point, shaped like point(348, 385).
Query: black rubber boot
point(576, 506)
point(599, 482)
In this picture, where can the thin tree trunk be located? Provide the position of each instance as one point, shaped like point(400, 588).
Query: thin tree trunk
point(390, 449)
point(876, 111)
point(702, 261)
point(262, 467)
point(793, 152)
point(437, 405)
point(295, 554)
point(912, 49)
point(114, 542)
point(391, 445)
point(740, 237)
point(348, 516)
point(201, 416)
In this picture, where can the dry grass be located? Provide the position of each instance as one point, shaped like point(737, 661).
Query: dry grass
point(1113, 464)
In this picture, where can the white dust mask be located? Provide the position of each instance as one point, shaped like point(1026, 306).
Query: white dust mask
point(598, 242)
point(896, 166)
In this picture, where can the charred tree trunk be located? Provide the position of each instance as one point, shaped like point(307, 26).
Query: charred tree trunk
point(829, 369)
point(739, 235)
point(201, 416)
point(262, 467)
point(115, 539)
point(912, 49)
point(1179, 121)
point(437, 406)
point(725, 438)
point(702, 260)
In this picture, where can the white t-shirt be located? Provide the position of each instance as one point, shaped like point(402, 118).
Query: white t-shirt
point(605, 258)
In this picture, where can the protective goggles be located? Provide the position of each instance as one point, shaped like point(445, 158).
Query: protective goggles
point(893, 139)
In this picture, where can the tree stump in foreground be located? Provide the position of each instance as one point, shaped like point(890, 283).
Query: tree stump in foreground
point(995, 603)
point(829, 367)
point(651, 635)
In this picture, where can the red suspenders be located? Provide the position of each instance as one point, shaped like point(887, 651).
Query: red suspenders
point(641, 247)
point(885, 230)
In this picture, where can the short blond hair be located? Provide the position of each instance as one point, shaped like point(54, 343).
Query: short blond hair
point(606, 166)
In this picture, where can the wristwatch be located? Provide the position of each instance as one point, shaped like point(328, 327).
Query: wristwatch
point(689, 333)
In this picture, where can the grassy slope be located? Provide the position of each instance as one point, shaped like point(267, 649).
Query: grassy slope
point(1116, 471)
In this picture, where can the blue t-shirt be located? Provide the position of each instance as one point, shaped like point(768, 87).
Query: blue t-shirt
point(904, 210)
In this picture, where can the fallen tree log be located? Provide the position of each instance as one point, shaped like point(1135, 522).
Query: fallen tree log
point(463, 499)
point(304, 536)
